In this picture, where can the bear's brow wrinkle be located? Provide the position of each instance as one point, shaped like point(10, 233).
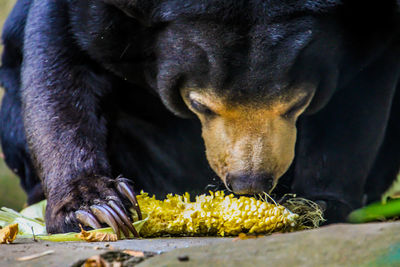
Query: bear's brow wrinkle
point(300, 103)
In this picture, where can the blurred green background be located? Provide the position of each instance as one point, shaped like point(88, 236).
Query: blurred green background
point(5, 8)
point(11, 194)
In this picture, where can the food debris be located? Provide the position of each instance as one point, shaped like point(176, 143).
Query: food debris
point(96, 237)
point(8, 233)
point(35, 256)
point(183, 258)
point(134, 253)
point(243, 236)
point(110, 259)
point(95, 261)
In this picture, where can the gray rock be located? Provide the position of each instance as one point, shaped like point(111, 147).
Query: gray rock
point(375, 244)
point(67, 253)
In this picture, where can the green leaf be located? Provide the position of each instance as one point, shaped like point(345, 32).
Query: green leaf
point(376, 211)
point(32, 219)
point(393, 191)
point(25, 224)
point(36, 211)
point(73, 236)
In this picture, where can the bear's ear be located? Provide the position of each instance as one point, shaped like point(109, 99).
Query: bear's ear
point(141, 10)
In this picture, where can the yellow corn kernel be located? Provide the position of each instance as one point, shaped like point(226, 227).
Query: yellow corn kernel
point(213, 214)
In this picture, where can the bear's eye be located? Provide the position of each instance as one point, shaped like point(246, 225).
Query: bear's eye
point(201, 108)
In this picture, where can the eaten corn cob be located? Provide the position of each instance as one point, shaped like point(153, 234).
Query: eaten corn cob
point(214, 214)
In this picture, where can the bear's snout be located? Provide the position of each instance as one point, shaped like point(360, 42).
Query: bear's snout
point(249, 183)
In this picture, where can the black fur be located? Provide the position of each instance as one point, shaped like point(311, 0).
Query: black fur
point(89, 85)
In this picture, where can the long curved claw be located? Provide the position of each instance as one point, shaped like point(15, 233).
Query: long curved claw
point(125, 189)
point(106, 217)
point(117, 218)
point(86, 218)
point(123, 217)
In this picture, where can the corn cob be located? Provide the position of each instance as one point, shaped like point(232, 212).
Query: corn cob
point(214, 214)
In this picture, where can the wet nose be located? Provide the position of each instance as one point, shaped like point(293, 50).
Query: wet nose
point(249, 183)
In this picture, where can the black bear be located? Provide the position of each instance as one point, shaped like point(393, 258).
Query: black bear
point(300, 91)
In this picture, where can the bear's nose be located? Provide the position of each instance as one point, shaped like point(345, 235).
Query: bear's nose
point(249, 183)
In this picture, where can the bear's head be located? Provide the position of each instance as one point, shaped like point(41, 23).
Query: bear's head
point(236, 79)
point(247, 70)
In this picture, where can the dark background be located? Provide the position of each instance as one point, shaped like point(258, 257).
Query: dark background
point(11, 194)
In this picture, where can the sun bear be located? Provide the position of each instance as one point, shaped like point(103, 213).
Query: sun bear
point(292, 96)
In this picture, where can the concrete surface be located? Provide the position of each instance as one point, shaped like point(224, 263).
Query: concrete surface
point(67, 253)
point(374, 244)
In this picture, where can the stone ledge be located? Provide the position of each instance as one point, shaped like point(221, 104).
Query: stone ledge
point(374, 244)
